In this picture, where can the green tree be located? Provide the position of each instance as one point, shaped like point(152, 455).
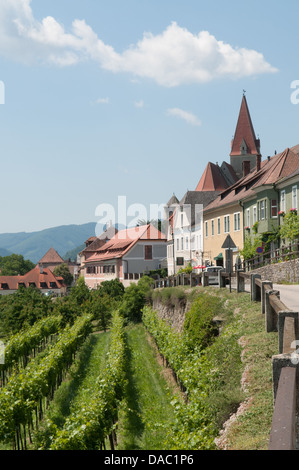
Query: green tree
point(250, 246)
point(113, 288)
point(290, 227)
point(133, 302)
point(63, 271)
point(101, 306)
point(23, 309)
point(80, 292)
point(13, 265)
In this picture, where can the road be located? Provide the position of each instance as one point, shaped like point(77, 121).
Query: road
point(289, 295)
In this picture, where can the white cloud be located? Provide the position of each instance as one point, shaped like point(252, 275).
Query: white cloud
point(102, 101)
point(139, 104)
point(172, 58)
point(190, 118)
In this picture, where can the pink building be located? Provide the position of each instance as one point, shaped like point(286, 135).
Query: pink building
point(128, 255)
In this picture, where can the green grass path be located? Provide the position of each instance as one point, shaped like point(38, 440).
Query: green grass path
point(146, 413)
point(75, 391)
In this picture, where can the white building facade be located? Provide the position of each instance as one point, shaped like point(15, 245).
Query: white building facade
point(185, 230)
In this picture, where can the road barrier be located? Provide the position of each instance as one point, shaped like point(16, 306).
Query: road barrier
point(278, 317)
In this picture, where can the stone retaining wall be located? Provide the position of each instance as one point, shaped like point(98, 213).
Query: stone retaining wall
point(287, 271)
point(173, 315)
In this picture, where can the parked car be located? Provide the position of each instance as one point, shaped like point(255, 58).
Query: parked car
point(213, 273)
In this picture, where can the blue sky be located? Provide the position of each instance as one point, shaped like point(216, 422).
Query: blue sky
point(133, 98)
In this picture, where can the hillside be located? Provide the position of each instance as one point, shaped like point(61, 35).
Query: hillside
point(35, 244)
point(4, 252)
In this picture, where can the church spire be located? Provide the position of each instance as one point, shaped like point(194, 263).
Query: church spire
point(245, 146)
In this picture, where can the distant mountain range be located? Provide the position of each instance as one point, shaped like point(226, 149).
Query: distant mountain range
point(65, 239)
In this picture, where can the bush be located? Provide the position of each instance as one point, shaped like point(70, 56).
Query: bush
point(80, 292)
point(171, 297)
point(113, 288)
point(199, 326)
point(132, 304)
point(101, 307)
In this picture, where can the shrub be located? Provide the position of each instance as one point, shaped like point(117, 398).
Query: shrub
point(133, 302)
point(114, 288)
point(199, 326)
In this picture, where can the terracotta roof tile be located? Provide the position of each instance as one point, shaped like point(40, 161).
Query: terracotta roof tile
point(124, 240)
point(34, 276)
point(272, 171)
point(212, 179)
point(51, 257)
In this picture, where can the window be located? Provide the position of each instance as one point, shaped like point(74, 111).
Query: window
point(283, 201)
point(294, 197)
point(274, 208)
point(148, 252)
point(177, 244)
point(182, 220)
point(262, 210)
point(187, 243)
point(226, 224)
point(182, 243)
point(212, 227)
point(237, 222)
point(254, 214)
point(219, 225)
point(206, 229)
point(248, 218)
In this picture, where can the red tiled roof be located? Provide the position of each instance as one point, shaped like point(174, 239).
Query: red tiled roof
point(295, 149)
point(244, 130)
point(212, 179)
point(93, 243)
point(272, 171)
point(34, 276)
point(283, 165)
point(124, 240)
point(51, 257)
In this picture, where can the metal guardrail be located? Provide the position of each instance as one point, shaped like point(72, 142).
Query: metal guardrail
point(278, 317)
point(285, 253)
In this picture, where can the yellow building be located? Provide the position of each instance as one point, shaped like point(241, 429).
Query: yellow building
point(222, 218)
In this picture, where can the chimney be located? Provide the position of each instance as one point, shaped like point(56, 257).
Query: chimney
point(246, 167)
point(258, 162)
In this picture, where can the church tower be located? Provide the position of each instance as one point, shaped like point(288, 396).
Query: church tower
point(245, 147)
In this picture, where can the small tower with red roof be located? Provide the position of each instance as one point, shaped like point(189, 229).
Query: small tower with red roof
point(245, 147)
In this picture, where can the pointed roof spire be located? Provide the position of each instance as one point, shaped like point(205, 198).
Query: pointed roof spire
point(244, 135)
point(172, 201)
point(51, 257)
point(212, 179)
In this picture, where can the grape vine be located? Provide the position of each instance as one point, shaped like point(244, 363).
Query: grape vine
point(21, 345)
point(27, 391)
point(194, 428)
point(89, 427)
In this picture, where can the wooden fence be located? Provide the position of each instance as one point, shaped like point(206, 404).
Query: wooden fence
point(278, 317)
